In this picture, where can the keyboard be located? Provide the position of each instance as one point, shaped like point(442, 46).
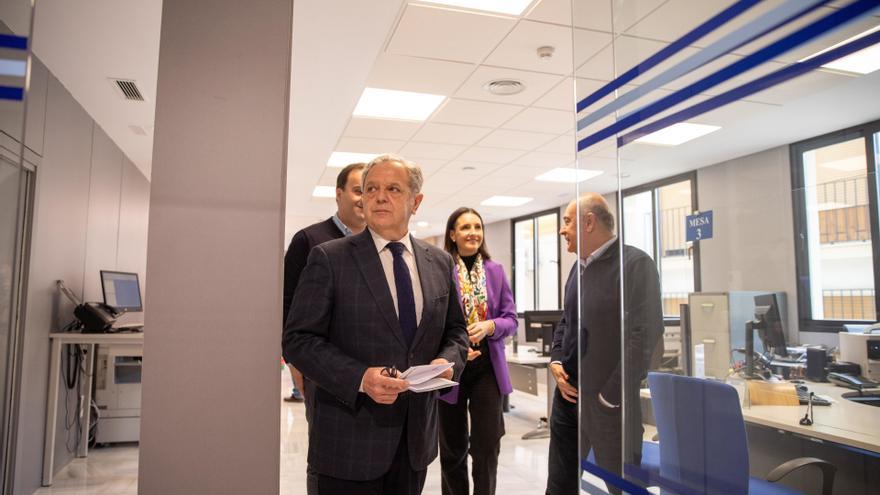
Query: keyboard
point(804, 398)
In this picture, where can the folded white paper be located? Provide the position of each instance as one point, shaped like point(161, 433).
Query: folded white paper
point(425, 378)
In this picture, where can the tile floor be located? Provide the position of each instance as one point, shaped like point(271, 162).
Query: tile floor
point(522, 468)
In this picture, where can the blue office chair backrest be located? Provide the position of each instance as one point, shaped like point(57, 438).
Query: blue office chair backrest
point(703, 443)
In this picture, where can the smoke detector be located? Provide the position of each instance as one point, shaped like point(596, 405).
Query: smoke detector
point(504, 87)
point(545, 53)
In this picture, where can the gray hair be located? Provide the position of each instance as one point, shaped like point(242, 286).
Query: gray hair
point(416, 179)
point(596, 204)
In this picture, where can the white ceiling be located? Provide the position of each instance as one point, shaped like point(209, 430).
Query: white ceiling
point(342, 46)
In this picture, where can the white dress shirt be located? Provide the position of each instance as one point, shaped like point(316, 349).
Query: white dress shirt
point(387, 259)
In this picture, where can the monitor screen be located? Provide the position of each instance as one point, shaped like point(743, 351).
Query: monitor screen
point(773, 333)
point(121, 290)
point(535, 321)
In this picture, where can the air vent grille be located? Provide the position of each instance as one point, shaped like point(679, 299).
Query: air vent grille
point(129, 89)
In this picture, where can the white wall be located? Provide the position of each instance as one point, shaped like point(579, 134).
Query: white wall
point(77, 231)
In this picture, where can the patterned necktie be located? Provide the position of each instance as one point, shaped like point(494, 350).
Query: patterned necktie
point(406, 304)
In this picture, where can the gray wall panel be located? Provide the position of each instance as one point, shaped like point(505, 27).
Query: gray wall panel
point(36, 106)
point(103, 220)
point(134, 212)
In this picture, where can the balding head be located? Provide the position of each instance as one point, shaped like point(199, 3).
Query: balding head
point(594, 203)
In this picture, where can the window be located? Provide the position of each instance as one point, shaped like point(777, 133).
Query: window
point(835, 207)
point(536, 261)
point(653, 220)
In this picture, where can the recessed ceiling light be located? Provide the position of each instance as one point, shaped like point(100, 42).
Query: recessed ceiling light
point(339, 159)
point(677, 134)
point(512, 7)
point(863, 61)
point(324, 192)
point(506, 201)
point(569, 175)
point(504, 87)
point(393, 104)
point(422, 224)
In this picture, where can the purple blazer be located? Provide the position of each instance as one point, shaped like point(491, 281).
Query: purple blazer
point(503, 311)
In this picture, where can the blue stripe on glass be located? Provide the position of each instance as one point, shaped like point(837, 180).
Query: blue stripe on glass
point(668, 51)
point(785, 13)
point(613, 479)
point(12, 41)
point(13, 68)
point(755, 86)
point(749, 62)
point(9, 93)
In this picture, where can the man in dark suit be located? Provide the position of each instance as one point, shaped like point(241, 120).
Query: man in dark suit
point(366, 306)
point(348, 220)
point(586, 359)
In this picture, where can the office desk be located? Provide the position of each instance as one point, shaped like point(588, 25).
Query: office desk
point(535, 360)
point(57, 341)
point(844, 422)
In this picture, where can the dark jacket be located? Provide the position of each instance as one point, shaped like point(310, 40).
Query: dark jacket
point(600, 369)
point(343, 321)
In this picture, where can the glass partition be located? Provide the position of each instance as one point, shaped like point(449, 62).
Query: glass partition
point(729, 223)
point(16, 176)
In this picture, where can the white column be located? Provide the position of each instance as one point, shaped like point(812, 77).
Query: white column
point(210, 415)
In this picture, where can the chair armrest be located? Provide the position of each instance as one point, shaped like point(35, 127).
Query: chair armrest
point(786, 468)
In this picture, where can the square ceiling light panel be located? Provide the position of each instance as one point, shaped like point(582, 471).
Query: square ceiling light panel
point(398, 105)
point(324, 192)
point(506, 201)
point(339, 159)
point(510, 7)
point(677, 134)
point(568, 175)
point(864, 61)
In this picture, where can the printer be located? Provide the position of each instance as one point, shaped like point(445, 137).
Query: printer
point(863, 349)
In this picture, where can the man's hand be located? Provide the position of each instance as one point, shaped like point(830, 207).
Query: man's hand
point(568, 391)
point(472, 354)
point(382, 389)
point(478, 331)
point(446, 374)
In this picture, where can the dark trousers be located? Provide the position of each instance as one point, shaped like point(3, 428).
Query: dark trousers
point(600, 430)
point(401, 479)
point(478, 394)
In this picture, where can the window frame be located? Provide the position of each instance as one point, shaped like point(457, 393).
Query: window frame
point(534, 218)
point(866, 131)
point(652, 187)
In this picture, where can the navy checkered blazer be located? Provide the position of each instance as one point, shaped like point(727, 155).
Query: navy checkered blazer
point(342, 321)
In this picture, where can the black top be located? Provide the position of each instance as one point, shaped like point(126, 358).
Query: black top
point(600, 364)
point(298, 253)
point(469, 261)
point(482, 362)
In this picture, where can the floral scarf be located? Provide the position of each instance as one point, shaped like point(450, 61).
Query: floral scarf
point(473, 290)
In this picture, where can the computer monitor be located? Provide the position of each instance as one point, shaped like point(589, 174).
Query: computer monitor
point(772, 331)
point(121, 290)
point(541, 325)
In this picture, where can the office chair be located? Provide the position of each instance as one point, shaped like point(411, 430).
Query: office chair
point(703, 442)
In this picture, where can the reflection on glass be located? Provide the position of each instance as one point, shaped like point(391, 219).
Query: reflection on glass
point(548, 262)
point(839, 232)
point(638, 221)
point(524, 264)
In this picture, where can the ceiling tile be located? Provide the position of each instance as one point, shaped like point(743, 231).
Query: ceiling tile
point(414, 150)
point(429, 165)
point(625, 13)
point(561, 97)
point(470, 169)
point(445, 34)
point(452, 134)
point(590, 14)
point(517, 140)
point(418, 74)
point(562, 144)
point(542, 120)
point(369, 145)
point(381, 128)
point(536, 85)
point(542, 160)
point(519, 48)
point(490, 155)
point(477, 113)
